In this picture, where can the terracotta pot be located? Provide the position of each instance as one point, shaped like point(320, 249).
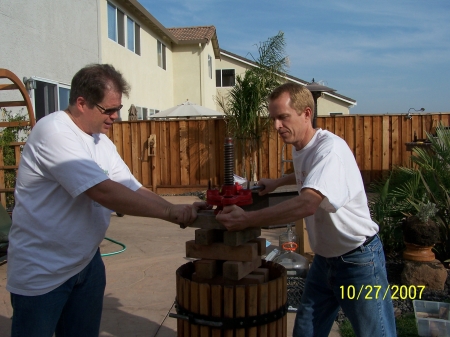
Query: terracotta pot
point(418, 253)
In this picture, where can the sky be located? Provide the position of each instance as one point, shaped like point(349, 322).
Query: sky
point(391, 56)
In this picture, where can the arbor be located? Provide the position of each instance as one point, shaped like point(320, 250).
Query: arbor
point(245, 105)
point(8, 152)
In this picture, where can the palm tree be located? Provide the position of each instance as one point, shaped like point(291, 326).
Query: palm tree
point(246, 104)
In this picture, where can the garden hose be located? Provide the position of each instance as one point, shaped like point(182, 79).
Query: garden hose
point(117, 252)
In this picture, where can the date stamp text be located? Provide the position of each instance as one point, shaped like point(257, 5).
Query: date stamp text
point(374, 292)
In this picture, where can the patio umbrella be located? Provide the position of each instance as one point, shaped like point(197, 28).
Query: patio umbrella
point(188, 110)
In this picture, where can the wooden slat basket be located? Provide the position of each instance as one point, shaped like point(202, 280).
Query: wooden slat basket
point(211, 310)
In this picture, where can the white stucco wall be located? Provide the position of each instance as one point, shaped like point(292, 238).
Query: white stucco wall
point(328, 104)
point(50, 39)
point(209, 83)
point(151, 86)
point(187, 65)
point(191, 76)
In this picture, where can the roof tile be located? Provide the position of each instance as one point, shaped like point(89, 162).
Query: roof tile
point(193, 33)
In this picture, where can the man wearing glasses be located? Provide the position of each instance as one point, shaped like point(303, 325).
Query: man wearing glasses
point(69, 179)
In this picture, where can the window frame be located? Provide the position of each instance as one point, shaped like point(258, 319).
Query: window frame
point(130, 34)
point(112, 22)
point(127, 32)
point(137, 38)
point(57, 86)
point(120, 27)
point(161, 55)
point(219, 77)
point(210, 66)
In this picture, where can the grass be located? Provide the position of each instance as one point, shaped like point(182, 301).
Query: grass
point(406, 327)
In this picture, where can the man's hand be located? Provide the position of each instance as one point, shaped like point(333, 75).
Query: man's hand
point(184, 215)
point(233, 218)
point(202, 205)
point(269, 186)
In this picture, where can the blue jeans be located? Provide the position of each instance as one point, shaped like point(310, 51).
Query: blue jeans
point(73, 309)
point(356, 282)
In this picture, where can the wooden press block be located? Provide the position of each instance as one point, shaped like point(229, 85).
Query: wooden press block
point(220, 280)
point(207, 236)
point(206, 268)
point(252, 279)
point(240, 237)
point(235, 270)
point(261, 245)
point(207, 219)
point(261, 271)
point(220, 251)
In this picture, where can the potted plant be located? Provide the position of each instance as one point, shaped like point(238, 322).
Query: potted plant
point(420, 233)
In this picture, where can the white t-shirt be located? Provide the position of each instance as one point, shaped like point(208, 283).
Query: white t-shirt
point(57, 228)
point(342, 222)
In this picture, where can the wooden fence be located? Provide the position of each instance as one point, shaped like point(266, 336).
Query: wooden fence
point(185, 154)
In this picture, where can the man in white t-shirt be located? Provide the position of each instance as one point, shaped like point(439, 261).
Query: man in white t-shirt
point(70, 178)
point(349, 255)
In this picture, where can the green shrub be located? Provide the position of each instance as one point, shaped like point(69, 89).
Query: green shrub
point(426, 182)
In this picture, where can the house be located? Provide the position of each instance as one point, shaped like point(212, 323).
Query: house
point(164, 66)
point(46, 42)
point(231, 65)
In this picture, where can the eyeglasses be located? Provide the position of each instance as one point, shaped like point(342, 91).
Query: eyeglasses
point(109, 111)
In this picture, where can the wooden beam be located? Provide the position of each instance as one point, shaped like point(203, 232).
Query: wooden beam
point(236, 270)
point(14, 103)
point(262, 271)
point(206, 268)
point(208, 236)
point(207, 220)
point(9, 87)
point(226, 283)
point(239, 237)
point(13, 124)
point(261, 242)
point(220, 251)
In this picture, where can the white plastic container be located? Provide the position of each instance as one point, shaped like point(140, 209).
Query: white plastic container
point(432, 318)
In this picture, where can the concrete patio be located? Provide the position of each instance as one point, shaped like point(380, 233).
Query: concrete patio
point(140, 289)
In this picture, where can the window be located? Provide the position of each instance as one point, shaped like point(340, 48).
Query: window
point(225, 78)
point(118, 32)
point(116, 28)
point(137, 39)
point(112, 28)
point(210, 66)
point(139, 112)
point(130, 34)
point(63, 95)
point(120, 28)
point(144, 113)
point(161, 55)
point(49, 97)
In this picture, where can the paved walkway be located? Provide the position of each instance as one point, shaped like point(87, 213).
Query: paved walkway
point(140, 287)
